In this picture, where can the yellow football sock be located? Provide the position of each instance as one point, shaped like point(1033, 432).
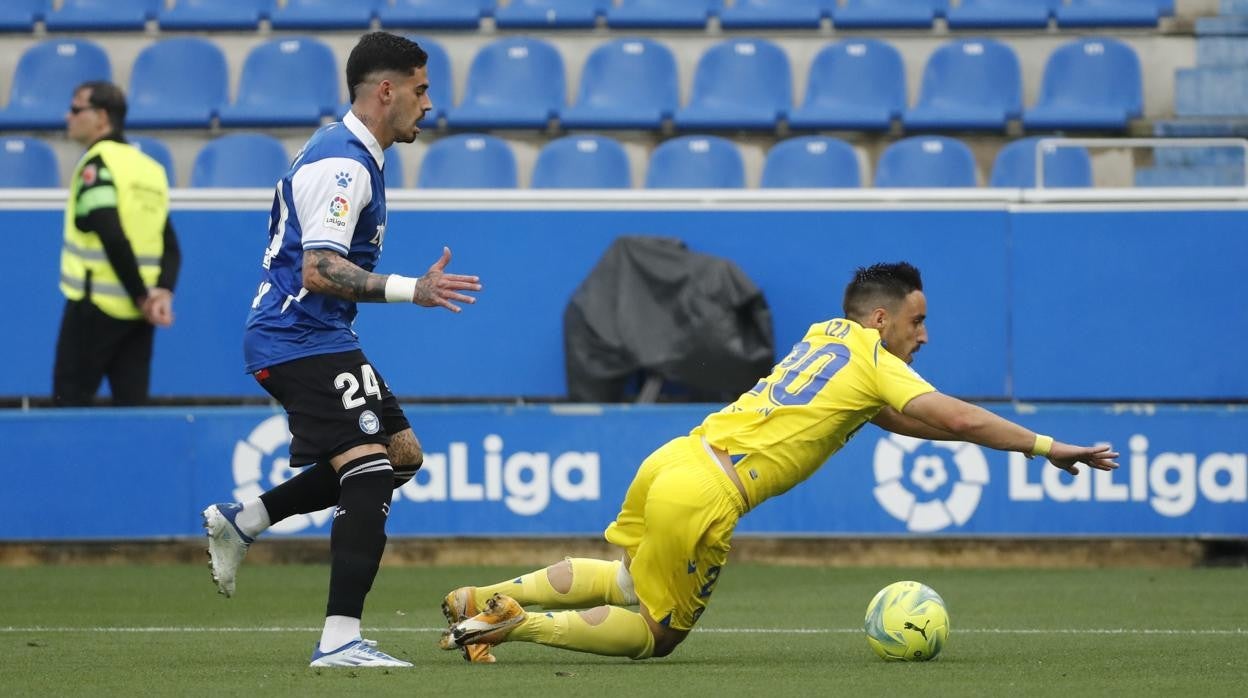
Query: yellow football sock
point(622, 633)
point(594, 583)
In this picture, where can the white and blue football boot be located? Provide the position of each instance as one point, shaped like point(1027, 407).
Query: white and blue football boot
point(227, 545)
point(356, 653)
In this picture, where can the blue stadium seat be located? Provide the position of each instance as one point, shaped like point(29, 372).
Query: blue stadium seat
point(285, 82)
point(887, 13)
point(158, 151)
point(968, 84)
point(1001, 14)
point(926, 161)
point(393, 171)
point(162, 96)
point(853, 84)
point(1108, 13)
point(549, 14)
point(776, 14)
point(717, 102)
point(512, 83)
point(325, 14)
point(468, 161)
point(1214, 51)
point(626, 83)
point(102, 15)
point(696, 162)
point(661, 14)
point(27, 162)
point(240, 160)
point(209, 15)
point(1217, 92)
point(811, 162)
point(21, 15)
point(44, 82)
point(434, 14)
point(1065, 166)
point(1199, 157)
point(438, 68)
point(1206, 176)
point(1088, 84)
point(582, 162)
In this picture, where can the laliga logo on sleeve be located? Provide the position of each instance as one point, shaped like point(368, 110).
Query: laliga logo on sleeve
point(256, 469)
point(336, 217)
point(912, 481)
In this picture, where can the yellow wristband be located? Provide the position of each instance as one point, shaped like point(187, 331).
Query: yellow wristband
point(1042, 446)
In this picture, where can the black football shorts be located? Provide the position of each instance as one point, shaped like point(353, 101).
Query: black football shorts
point(334, 402)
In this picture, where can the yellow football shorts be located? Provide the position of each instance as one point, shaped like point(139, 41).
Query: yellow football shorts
point(676, 524)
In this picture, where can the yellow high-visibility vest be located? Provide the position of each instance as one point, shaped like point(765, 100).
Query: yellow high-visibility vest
point(142, 200)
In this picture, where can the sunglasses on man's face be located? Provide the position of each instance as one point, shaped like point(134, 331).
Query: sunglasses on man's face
point(75, 109)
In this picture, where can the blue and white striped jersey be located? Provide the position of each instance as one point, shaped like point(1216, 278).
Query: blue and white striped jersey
point(332, 197)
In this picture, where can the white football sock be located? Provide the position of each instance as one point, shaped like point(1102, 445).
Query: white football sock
point(339, 630)
point(253, 519)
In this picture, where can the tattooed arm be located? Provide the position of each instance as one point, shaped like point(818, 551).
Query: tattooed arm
point(327, 272)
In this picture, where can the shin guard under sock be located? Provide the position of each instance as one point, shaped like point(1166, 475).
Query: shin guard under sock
point(594, 583)
point(622, 633)
point(358, 537)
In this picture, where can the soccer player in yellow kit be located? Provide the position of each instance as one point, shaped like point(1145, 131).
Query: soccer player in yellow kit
point(680, 511)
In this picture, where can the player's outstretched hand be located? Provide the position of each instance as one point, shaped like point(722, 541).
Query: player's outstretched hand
point(437, 288)
point(1068, 456)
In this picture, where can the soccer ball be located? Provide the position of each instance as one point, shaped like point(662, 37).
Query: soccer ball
point(907, 621)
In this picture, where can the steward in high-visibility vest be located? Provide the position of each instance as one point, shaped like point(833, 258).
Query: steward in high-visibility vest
point(113, 174)
point(119, 261)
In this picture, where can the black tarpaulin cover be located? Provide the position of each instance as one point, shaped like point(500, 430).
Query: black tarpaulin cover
point(653, 307)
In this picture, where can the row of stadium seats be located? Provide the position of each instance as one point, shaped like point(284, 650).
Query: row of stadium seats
point(133, 15)
point(518, 82)
point(1210, 99)
point(474, 161)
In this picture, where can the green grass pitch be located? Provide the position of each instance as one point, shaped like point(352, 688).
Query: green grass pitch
point(769, 631)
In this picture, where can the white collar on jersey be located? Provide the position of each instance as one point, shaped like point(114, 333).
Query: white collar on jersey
point(366, 137)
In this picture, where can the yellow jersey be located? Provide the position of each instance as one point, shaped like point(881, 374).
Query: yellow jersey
point(832, 383)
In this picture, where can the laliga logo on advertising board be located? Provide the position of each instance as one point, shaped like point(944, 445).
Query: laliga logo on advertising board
point(1174, 480)
point(250, 457)
point(915, 499)
point(523, 481)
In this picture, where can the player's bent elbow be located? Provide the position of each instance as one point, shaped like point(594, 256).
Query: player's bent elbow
point(961, 423)
point(312, 280)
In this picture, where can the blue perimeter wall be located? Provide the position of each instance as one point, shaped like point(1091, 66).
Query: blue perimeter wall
point(542, 470)
point(1026, 305)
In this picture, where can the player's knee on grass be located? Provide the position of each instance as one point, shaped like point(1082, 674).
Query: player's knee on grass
point(666, 640)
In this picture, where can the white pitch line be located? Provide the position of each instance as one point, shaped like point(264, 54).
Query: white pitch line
point(723, 631)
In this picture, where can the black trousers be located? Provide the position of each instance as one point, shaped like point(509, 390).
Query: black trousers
point(93, 345)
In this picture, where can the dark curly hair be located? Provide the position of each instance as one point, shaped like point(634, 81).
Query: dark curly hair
point(382, 52)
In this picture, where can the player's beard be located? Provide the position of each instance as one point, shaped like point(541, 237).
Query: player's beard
point(408, 136)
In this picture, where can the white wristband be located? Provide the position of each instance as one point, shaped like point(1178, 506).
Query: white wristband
point(400, 289)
